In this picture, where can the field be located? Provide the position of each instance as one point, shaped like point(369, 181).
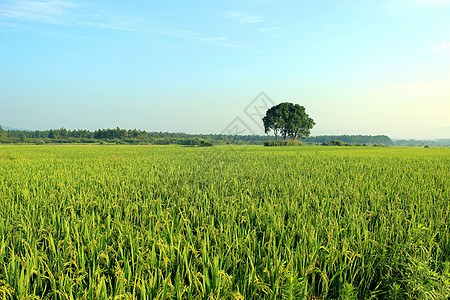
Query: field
point(147, 222)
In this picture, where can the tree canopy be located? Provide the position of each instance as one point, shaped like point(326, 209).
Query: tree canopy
point(288, 120)
point(2, 132)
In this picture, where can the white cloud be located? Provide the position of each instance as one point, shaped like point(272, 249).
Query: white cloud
point(219, 41)
point(52, 12)
point(268, 29)
point(63, 13)
point(196, 36)
point(214, 40)
point(66, 13)
point(244, 17)
point(443, 48)
point(106, 26)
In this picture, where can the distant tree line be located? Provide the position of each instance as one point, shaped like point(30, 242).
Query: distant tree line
point(423, 143)
point(135, 136)
point(352, 139)
point(123, 136)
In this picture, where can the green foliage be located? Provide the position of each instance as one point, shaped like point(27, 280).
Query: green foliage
point(336, 143)
point(423, 143)
point(348, 292)
point(39, 142)
point(154, 222)
point(289, 120)
point(204, 144)
point(282, 143)
point(342, 143)
point(2, 132)
point(352, 139)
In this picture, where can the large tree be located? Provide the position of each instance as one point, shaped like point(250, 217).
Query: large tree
point(288, 120)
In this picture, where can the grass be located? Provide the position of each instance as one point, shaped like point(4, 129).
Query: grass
point(159, 222)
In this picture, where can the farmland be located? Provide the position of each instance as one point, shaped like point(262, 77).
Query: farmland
point(146, 222)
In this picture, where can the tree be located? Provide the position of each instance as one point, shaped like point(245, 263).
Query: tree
point(289, 120)
point(2, 132)
point(23, 138)
point(53, 134)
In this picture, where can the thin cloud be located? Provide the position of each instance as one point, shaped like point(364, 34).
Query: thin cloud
point(64, 13)
point(433, 2)
point(67, 13)
point(13, 27)
point(195, 36)
point(268, 29)
point(220, 41)
point(106, 26)
point(406, 7)
point(49, 12)
point(244, 17)
point(443, 48)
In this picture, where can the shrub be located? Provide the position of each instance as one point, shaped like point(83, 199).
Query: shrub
point(335, 143)
point(39, 142)
point(283, 143)
point(205, 144)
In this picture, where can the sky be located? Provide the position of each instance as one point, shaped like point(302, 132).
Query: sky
point(358, 67)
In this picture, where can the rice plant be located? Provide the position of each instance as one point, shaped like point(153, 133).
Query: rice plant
point(171, 222)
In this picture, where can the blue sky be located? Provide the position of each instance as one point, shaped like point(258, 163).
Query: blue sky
point(359, 67)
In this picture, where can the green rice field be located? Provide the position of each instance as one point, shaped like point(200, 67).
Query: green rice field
point(241, 222)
